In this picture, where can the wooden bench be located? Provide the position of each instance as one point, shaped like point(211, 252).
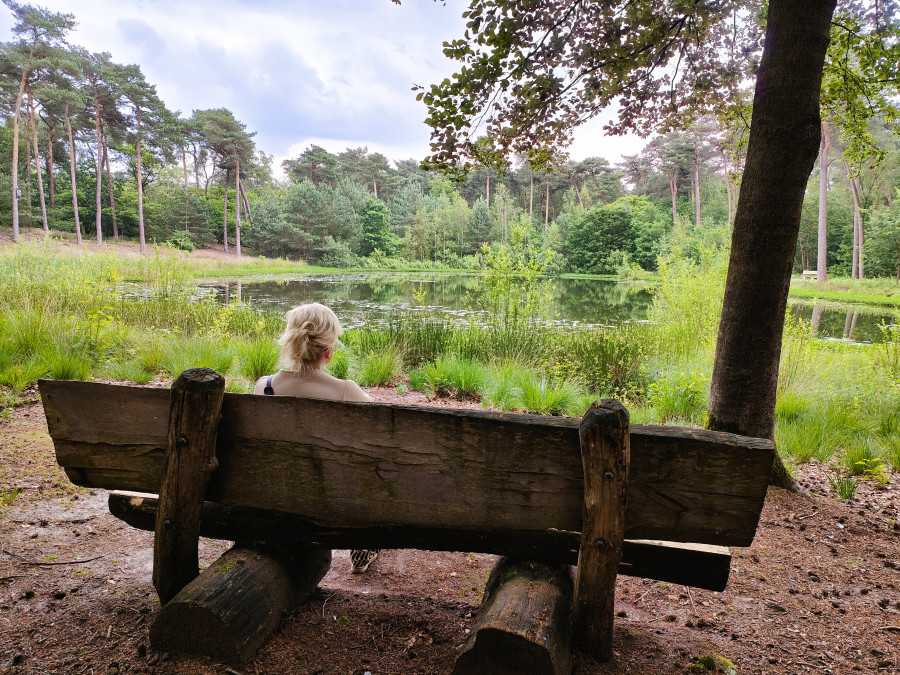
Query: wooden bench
point(305, 476)
point(810, 274)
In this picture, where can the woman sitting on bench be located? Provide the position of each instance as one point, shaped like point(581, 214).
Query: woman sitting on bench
point(307, 345)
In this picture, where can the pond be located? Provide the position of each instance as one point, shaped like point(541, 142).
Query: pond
point(360, 298)
point(367, 297)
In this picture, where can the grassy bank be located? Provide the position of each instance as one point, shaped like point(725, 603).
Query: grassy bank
point(874, 292)
point(63, 315)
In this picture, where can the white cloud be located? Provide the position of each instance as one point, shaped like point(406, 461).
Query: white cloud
point(334, 73)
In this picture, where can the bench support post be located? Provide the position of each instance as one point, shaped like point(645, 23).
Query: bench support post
point(605, 452)
point(194, 410)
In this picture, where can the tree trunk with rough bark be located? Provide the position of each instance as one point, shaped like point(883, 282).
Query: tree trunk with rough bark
point(858, 271)
point(15, 157)
point(225, 215)
point(50, 174)
point(37, 164)
point(237, 206)
point(110, 189)
point(784, 138)
point(140, 183)
point(673, 190)
point(822, 254)
point(72, 175)
point(99, 191)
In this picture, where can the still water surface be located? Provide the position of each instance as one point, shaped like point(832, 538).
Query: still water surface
point(371, 297)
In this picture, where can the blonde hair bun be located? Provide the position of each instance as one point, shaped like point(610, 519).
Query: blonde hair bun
point(311, 330)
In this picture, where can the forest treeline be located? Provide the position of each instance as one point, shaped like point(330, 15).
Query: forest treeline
point(87, 146)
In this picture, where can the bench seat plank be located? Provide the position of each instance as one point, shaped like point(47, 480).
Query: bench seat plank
point(362, 465)
point(698, 565)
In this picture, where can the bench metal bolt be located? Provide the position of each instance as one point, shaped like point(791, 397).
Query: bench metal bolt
point(600, 543)
point(182, 441)
point(608, 475)
point(168, 523)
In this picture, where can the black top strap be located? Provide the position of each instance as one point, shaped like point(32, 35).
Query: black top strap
point(268, 391)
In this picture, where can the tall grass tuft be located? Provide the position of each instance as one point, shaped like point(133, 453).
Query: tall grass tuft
point(258, 357)
point(542, 396)
point(339, 366)
point(503, 389)
point(17, 376)
point(68, 366)
point(859, 455)
point(789, 406)
point(380, 367)
point(455, 376)
point(128, 371)
point(196, 352)
point(683, 398)
point(843, 484)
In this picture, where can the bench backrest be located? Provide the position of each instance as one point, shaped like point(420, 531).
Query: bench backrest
point(357, 465)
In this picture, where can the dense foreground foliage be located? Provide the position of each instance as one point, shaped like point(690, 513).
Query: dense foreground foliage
point(69, 316)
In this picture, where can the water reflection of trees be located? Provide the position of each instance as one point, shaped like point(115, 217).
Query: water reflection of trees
point(859, 324)
point(581, 300)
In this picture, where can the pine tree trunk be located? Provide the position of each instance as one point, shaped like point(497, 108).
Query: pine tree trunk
point(225, 215)
point(547, 208)
point(99, 191)
point(487, 189)
point(72, 175)
point(184, 166)
point(531, 199)
point(50, 174)
point(697, 188)
point(140, 183)
point(857, 228)
point(15, 157)
point(784, 137)
point(577, 193)
point(673, 190)
point(237, 206)
point(822, 253)
point(27, 176)
point(110, 189)
point(37, 164)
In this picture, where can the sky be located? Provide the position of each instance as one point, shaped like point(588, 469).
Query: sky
point(335, 73)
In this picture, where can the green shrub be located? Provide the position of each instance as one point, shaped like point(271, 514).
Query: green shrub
point(682, 398)
point(182, 241)
point(607, 359)
point(418, 380)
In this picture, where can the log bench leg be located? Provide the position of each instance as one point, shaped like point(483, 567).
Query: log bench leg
point(232, 608)
point(523, 625)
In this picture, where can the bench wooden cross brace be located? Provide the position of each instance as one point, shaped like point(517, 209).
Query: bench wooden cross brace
point(305, 476)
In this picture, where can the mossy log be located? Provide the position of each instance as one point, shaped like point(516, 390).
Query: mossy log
point(524, 623)
point(233, 607)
